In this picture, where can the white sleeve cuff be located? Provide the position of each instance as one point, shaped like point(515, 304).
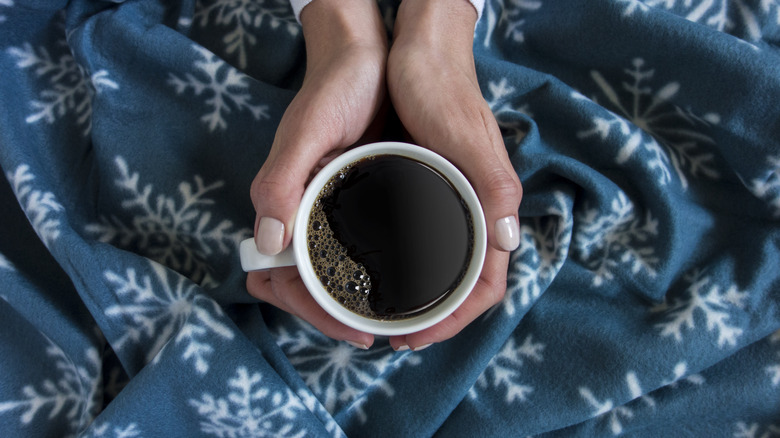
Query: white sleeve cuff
point(479, 5)
point(298, 5)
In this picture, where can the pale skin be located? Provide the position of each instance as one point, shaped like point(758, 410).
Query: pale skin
point(429, 76)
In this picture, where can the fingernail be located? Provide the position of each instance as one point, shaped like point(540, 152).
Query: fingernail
point(270, 236)
point(357, 345)
point(421, 347)
point(508, 233)
point(403, 347)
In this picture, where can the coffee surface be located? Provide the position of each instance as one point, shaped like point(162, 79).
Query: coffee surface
point(389, 237)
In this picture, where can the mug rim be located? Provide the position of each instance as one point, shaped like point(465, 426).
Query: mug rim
point(417, 322)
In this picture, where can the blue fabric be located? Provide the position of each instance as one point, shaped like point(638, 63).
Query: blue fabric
point(644, 299)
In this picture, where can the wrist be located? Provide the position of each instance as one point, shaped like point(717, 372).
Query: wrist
point(439, 23)
point(332, 26)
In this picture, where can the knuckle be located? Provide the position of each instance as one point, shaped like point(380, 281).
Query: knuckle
point(503, 186)
point(272, 189)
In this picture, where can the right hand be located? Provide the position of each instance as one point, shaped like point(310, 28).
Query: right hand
point(342, 92)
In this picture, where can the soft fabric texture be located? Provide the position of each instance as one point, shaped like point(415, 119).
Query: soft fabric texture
point(643, 299)
point(298, 5)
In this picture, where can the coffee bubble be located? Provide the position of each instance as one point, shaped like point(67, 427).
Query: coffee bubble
point(335, 269)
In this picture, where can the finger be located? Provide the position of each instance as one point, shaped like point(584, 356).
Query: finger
point(489, 291)
point(283, 288)
point(484, 160)
point(278, 187)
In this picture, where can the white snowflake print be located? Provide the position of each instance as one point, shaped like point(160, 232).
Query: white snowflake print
point(773, 370)
point(755, 430)
point(41, 207)
point(6, 3)
point(6, 264)
point(672, 138)
point(337, 373)
point(249, 409)
point(616, 416)
point(503, 371)
point(313, 405)
point(69, 89)
point(504, 112)
point(106, 430)
point(708, 299)
point(511, 15)
point(155, 309)
point(224, 88)
point(603, 241)
point(768, 187)
point(73, 396)
point(241, 18)
point(178, 233)
point(723, 16)
point(544, 246)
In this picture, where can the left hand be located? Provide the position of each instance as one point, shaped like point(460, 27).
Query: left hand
point(433, 85)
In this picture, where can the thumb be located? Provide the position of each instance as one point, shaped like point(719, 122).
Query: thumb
point(485, 162)
point(500, 192)
point(277, 190)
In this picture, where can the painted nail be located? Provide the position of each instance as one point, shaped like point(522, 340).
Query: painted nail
point(357, 345)
point(421, 347)
point(270, 236)
point(508, 233)
point(403, 347)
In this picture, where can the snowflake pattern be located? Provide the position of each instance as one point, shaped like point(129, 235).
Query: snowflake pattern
point(706, 298)
point(73, 396)
point(69, 87)
point(337, 373)
point(40, 207)
point(249, 409)
point(224, 88)
point(242, 17)
point(773, 370)
point(179, 233)
point(6, 264)
point(616, 416)
point(755, 430)
point(511, 16)
point(724, 16)
point(544, 247)
point(313, 405)
point(5, 3)
point(503, 371)
point(106, 430)
point(504, 112)
point(646, 120)
point(604, 241)
point(768, 187)
point(152, 310)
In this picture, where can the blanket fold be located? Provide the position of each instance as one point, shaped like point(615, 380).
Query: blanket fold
point(644, 299)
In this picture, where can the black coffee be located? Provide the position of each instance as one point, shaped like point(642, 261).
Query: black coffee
point(389, 237)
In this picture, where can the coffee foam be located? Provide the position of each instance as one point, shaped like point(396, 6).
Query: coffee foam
point(345, 280)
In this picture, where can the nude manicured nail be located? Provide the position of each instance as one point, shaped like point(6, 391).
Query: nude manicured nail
point(508, 233)
point(358, 345)
point(270, 236)
point(421, 347)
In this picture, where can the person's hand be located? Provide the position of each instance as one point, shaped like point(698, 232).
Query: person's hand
point(433, 86)
point(342, 91)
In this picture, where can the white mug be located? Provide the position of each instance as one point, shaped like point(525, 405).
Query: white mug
point(297, 254)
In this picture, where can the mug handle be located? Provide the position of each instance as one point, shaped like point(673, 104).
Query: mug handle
point(253, 260)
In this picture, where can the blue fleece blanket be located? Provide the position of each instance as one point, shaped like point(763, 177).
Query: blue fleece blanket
point(644, 299)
